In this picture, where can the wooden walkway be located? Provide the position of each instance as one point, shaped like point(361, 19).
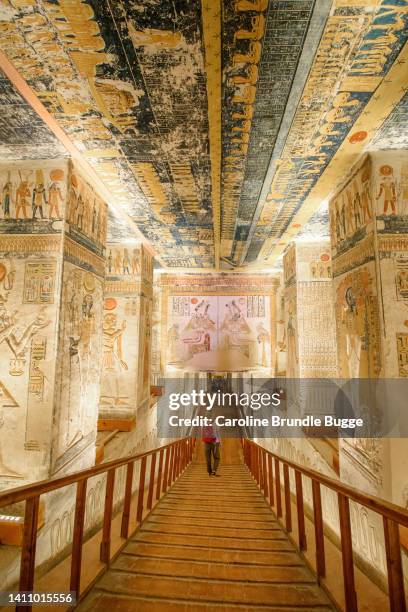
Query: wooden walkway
point(210, 544)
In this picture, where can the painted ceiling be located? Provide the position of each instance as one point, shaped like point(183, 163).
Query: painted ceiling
point(219, 127)
point(23, 135)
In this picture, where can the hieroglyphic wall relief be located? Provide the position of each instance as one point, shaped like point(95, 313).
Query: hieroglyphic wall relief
point(121, 323)
point(359, 339)
point(369, 250)
point(389, 184)
point(30, 280)
point(79, 363)
point(369, 225)
point(27, 338)
point(127, 323)
point(207, 331)
point(80, 327)
point(310, 325)
point(315, 311)
point(86, 213)
point(218, 321)
point(358, 325)
point(156, 362)
point(281, 346)
point(290, 298)
point(33, 191)
point(145, 326)
point(352, 210)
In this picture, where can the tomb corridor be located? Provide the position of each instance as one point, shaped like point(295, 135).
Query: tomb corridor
point(203, 208)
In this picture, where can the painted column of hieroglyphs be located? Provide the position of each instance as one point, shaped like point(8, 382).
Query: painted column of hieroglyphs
point(51, 275)
point(121, 322)
point(369, 240)
point(80, 326)
point(315, 312)
point(280, 329)
point(145, 328)
point(156, 362)
point(290, 297)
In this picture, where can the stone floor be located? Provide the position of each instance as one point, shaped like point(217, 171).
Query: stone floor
point(210, 544)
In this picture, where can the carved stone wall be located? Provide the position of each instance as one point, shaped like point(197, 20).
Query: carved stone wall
point(145, 328)
point(218, 322)
point(281, 355)
point(52, 238)
point(309, 315)
point(126, 325)
point(369, 241)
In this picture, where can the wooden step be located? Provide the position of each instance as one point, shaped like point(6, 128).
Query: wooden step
point(209, 554)
point(217, 591)
point(210, 545)
point(192, 519)
point(211, 531)
point(259, 516)
point(211, 542)
point(99, 601)
point(216, 571)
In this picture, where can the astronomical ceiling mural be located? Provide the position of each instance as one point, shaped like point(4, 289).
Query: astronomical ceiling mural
point(218, 127)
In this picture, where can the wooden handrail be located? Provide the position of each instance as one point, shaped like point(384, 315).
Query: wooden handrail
point(260, 462)
point(181, 452)
point(25, 492)
point(381, 506)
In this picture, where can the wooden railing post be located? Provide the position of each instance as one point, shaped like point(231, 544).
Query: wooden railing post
point(124, 530)
point(107, 517)
point(288, 509)
point(169, 481)
point(244, 448)
point(396, 592)
point(252, 462)
point(151, 481)
point(270, 472)
point(265, 474)
point(300, 511)
point(29, 544)
point(166, 469)
point(260, 471)
point(278, 489)
point(140, 497)
point(182, 456)
point(79, 520)
point(159, 474)
point(350, 596)
point(175, 462)
point(318, 526)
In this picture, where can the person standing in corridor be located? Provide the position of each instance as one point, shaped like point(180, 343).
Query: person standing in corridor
point(211, 441)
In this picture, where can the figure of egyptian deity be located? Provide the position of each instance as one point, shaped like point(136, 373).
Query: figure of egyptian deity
point(54, 199)
point(387, 189)
point(23, 194)
point(7, 197)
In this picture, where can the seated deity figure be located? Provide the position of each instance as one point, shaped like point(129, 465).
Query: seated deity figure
point(196, 337)
point(236, 333)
